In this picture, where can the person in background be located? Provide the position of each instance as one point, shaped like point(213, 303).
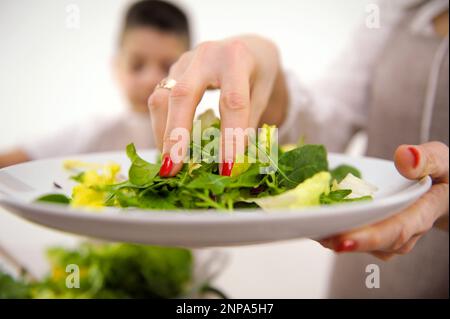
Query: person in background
point(392, 82)
point(153, 36)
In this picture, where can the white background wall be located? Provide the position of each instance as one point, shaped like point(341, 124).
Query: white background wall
point(51, 75)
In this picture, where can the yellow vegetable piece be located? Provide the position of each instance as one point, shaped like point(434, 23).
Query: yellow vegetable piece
point(192, 167)
point(288, 147)
point(90, 193)
point(74, 164)
point(305, 194)
point(84, 196)
point(240, 165)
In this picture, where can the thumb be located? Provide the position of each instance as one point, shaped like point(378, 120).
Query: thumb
point(417, 161)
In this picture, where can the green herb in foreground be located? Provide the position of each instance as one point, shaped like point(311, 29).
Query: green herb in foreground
point(113, 271)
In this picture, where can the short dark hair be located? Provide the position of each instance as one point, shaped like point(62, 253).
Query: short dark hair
point(157, 14)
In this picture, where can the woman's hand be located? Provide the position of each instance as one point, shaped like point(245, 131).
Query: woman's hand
point(399, 233)
point(246, 69)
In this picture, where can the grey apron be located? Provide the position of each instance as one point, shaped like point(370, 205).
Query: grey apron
point(405, 108)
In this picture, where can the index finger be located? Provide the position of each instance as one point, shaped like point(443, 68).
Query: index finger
point(234, 106)
point(183, 100)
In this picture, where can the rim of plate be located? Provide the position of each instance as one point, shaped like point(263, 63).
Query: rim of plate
point(207, 217)
point(416, 189)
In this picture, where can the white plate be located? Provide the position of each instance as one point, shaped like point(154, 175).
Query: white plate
point(20, 184)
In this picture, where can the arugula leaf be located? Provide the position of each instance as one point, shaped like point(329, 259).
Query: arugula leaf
point(215, 183)
point(156, 201)
point(127, 198)
point(229, 198)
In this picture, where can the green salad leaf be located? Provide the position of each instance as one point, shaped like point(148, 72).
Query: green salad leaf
point(54, 198)
point(302, 163)
point(340, 196)
point(141, 172)
point(341, 171)
point(212, 182)
point(11, 288)
point(118, 271)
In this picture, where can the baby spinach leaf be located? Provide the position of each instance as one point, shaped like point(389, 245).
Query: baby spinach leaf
point(341, 171)
point(141, 172)
point(131, 152)
point(302, 163)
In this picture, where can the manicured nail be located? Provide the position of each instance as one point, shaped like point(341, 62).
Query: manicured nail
point(416, 155)
point(345, 246)
point(226, 168)
point(166, 166)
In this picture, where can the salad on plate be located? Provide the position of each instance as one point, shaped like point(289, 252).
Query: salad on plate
point(298, 176)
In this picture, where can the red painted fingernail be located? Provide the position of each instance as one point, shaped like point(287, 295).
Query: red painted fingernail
point(226, 168)
point(166, 166)
point(345, 246)
point(416, 155)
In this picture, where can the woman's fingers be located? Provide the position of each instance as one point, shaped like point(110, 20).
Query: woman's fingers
point(399, 234)
point(172, 111)
point(377, 237)
point(405, 249)
point(234, 114)
point(408, 247)
point(183, 100)
point(234, 105)
point(236, 66)
point(416, 161)
point(393, 234)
